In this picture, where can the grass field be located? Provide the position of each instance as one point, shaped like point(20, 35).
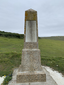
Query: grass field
point(52, 54)
point(54, 38)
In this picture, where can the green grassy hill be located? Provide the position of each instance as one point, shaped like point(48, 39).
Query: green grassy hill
point(54, 38)
point(21, 36)
point(11, 35)
point(52, 54)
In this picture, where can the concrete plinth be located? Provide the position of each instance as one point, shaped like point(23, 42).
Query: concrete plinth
point(30, 69)
point(30, 60)
point(31, 77)
point(49, 79)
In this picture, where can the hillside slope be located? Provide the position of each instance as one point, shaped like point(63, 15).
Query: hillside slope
point(52, 54)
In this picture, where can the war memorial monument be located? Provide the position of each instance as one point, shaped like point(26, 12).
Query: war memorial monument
point(31, 72)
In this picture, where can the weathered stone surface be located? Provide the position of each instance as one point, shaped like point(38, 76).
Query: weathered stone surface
point(32, 10)
point(31, 60)
point(31, 77)
point(30, 45)
point(49, 79)
point(30, 69)
point(31, 15)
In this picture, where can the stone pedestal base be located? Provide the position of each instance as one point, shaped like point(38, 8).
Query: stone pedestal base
point(49, 79)
point(37, 76)
point(30, 69)
point(31, 60)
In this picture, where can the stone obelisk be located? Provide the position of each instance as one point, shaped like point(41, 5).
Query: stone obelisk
point(30, 69)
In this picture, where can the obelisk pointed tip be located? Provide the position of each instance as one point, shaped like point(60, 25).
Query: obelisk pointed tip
point(32, 10)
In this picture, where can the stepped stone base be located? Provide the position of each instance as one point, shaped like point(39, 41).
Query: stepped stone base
point(49, 79)
point(38, 76)
point(30, 69)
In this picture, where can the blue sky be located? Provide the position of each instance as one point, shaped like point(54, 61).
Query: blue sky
point(50, 16)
